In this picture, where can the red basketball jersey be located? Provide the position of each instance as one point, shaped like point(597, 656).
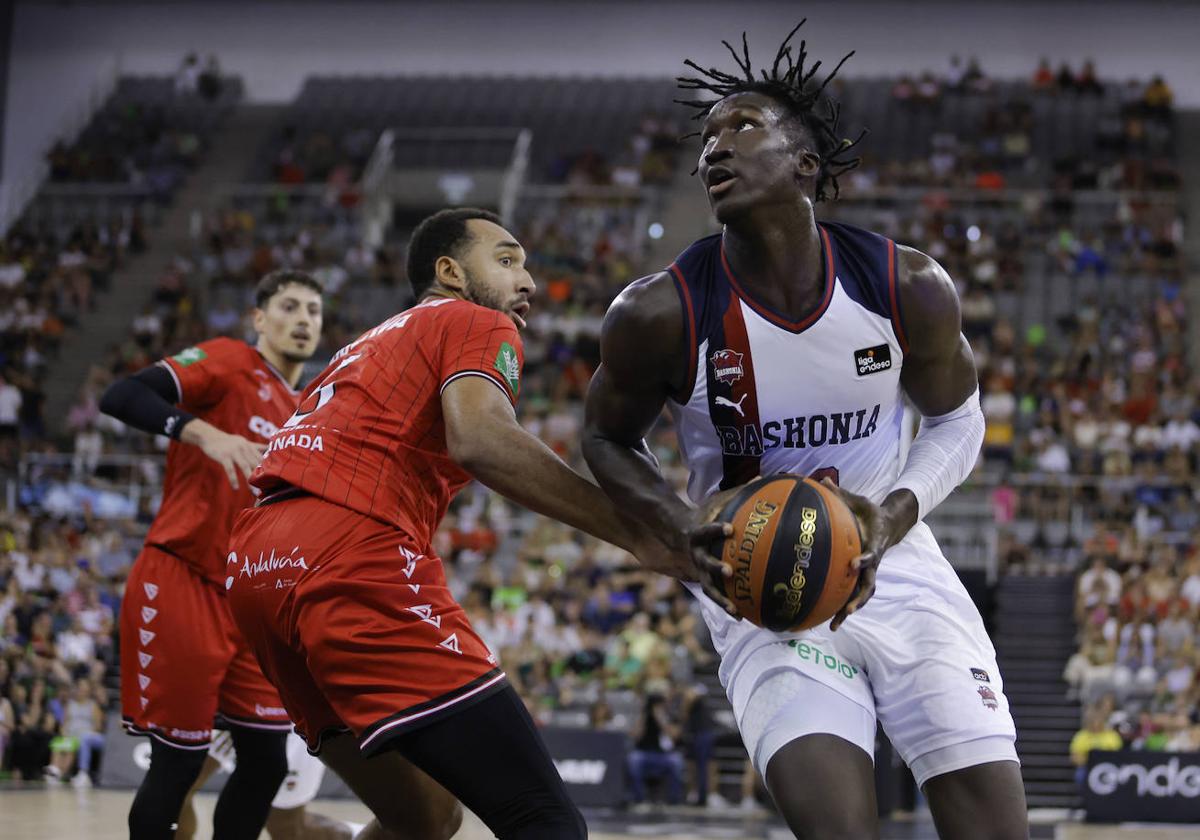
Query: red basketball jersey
point(228, 384)
point(369, 433)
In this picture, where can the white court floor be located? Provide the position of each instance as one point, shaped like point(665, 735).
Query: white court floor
point(63, 813)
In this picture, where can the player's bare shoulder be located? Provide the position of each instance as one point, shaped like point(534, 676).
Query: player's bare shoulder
point(929, 304)
point(643, 331)
point(924, 286)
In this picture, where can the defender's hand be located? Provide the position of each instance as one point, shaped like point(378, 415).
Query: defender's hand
point(234, 453)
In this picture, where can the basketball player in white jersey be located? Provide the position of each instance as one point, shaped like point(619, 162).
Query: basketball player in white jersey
point(788, 345)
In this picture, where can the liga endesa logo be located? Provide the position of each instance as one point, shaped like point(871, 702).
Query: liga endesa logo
point(1161, 780)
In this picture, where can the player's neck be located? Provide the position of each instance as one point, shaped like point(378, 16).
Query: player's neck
point(285, 367)
point(774, 250)
point(439, 291)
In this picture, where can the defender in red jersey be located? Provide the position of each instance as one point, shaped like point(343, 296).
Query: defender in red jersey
point(183, 661)
point(333, 577)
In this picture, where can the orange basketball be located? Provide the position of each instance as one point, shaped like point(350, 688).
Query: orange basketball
point(792, 545)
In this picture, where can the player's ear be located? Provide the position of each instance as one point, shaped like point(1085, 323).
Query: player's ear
point(260, 320)
point(808, 163)
point(450, 273)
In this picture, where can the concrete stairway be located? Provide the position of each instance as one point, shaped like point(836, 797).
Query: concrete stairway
point(1035, 635)
point(226, 162)
point(685, 216)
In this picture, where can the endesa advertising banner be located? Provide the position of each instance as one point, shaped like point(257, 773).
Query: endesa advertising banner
point(1142, 787)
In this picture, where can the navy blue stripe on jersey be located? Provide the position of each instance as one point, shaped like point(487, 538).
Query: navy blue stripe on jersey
point(704, 293)
point(867, 267)
point(689, 330)
point(894, 295)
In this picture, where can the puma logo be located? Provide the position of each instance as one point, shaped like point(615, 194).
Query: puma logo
point(736, 406)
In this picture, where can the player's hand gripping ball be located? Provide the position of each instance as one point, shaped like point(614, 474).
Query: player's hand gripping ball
point(791, 552)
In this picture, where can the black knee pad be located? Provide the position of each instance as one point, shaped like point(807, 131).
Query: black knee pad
point(245, 800)
point(540, 818)
point(261, 752)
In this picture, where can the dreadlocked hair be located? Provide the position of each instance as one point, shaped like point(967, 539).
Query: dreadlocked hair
point(791, 84)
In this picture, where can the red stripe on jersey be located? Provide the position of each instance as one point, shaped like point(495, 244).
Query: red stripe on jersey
point(738, 468)
point(897, 324)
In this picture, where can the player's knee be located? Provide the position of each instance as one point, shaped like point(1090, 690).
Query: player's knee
point(849, 826)
point(164, 789)
point(436, 821)
point(452, 823)
point(556, 819)
point(264, 754)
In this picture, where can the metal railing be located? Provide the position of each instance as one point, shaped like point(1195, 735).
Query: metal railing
point(967, 525)
point(57, 204)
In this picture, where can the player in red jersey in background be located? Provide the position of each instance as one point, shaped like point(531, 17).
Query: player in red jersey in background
point(183, 662)
point(332, 576)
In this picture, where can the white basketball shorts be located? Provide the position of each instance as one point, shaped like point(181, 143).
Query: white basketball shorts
point(916, 657)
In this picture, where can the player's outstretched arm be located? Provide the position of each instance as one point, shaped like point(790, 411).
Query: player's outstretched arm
point(643, 362)
point(147, 401)
point(484, 437)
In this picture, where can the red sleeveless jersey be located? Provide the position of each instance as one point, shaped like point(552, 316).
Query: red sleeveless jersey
point(228, 384)
point(369, 433)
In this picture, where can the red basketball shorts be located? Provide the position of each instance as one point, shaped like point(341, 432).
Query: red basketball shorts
point(353, 621)
point(183, 662)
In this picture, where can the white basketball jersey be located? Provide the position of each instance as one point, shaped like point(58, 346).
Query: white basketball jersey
point(820, 396)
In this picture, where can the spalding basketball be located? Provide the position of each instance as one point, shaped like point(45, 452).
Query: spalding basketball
point(792, 545)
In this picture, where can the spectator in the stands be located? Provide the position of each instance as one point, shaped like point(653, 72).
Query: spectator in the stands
point(1158, 97)
point(208, 83)
point(187, 77)
point(1086, 81)
point(10, 416)
point(1096, 734)
point(1176, 633)
point(1043, 77)
point(1109, 589)
point(83, 723)
point(1090, 672)
point(1065, 80)
point(700, 737)
point(30, 750)
point(655, 753)
point(8, 720)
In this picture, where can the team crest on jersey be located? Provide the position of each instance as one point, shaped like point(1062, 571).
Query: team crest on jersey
point(190, 356)
point(727, 366)
point(988, 697)
point(510, 369)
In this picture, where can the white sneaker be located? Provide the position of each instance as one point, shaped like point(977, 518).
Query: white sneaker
point(749, 804)
point(82, 780)
point(52, 773)
point(717, 802)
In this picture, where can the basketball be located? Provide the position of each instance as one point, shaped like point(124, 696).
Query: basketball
point(792, 545)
